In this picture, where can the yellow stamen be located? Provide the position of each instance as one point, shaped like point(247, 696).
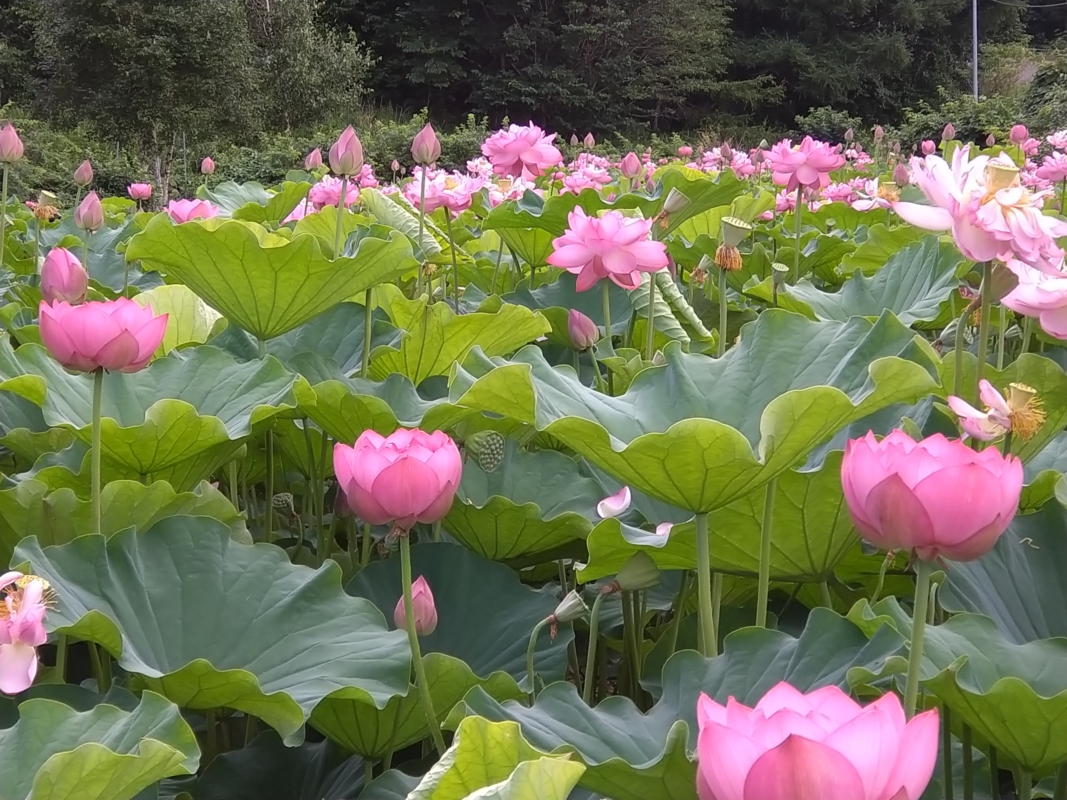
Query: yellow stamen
point(728, 258)
point(888, 192)
point(1026, 412)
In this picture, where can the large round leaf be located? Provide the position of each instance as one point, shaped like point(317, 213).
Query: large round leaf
point(635, 756)
point(209, 623)
point(530, 505)
point(197, 404)
point(189, 319)
point(789, 385)
point(470, 647)
point(252, 202)
point(56, 753)
point(811, 533)
point(265, 283)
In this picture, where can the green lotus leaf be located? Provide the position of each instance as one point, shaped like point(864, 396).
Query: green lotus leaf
point(107, 266)
point(881, 244)
point(532, 504)
point(468, 648)
point(189, 319)
point(492, 760)
point(811, 533)
point(1042, 374)
point(821, 255)
point(197, 404)
point(913, 284)
point(270, 207)
point(555, 300)
point(717, 413)
point(268, 770)
point(58, 517)
point(839, 216)
point(1014, 696)
point(635, 756)
point(1043, 473)
point(396, 212)
point(1021, 583)
point(335, 335)
point(707, 225)
point(322, 225)
point(56, 753)
point(435, 337)
point(209, 623)
point(263, 282)
point(391, 785)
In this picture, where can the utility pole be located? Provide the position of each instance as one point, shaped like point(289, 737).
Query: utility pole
point(974, 46)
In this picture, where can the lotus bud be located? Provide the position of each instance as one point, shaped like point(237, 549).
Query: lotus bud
point(313, 160)
point(207, 166)
point(583, 331)
point(1019, 134)
point(685, 151)
point(949, 133)
point(879, 133)
point(764, 144)
point(929, 148)
point(10, 145)
point(486, 448)
point(1000, 176)
point(570, 608)
point(89, 215)
point(640, 572)
point(574, 140)
point(726, 152)
point(63, 278)
point(346, 154)
point(675, 202)
point(83, 175)
point(758, 157)
point(426, 148)
point(901, 177)
point(395, 165)
point(424, 610)
point(589, 141)
point(896, 148)
point(990, 140)
point(631, 165)
point(850, 135)
point(658, 359)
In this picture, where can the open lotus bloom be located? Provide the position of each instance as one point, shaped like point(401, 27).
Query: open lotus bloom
point(1019, 412)
point(521, 151)
point(117, 335)
point(809, 164)
point(936, 498)
point(609, 246)
point(817, 746)
point(21, 629)
point(410, 476)
point(1039, 295)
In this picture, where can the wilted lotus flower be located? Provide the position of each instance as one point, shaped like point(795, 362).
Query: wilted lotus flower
point(422, 605)
point(207, 166)
point(583, 331)
point(11, 149)
point(426, 148)
point(346, 154)
point(63, 278)
point(83, 175)
point(313, 159)
point(25, 602)
point(1020, 412)
point(734, 231)
point(89, 215)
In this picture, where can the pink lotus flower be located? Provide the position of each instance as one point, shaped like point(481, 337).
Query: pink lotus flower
point(21, 631)
point(83, 175)
point(346, 154)
point(1054, 169)
point(1018, 134)
point(870, 195)
point(990, 215)
point(11, 148)
point(62, 277)
point(327, 192)
point(187, 210)
point(521, 151)
point(1058, 140)
point(614, 505)
point(582, 330)
point(207, 166)
point(480, 167)
point(817, 746)
point(509, 189)
point(588, 177)
point(1039, 295)
point(409, 477)
point(1031, 146)
point(809, 164)
point(454, 191)
point(610, 246)
point(1019, 412)
point(426, 148)
point(313, 160)
point(425, 611)
point(630, 166)
point(139, 191)
point(685, 151)
point(838, 193)
point(938, 498)
point(89, 215)
point(366, 178)
point(117, 335)
point(929, 148)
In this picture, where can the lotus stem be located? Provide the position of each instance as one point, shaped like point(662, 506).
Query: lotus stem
point(3, 212)
point(946, 753)
point(606, 294)
point(250, 729)
point(1028, 329)
point(924, 571)
point(797, 229)
point(211, 739)
point(416, 653)
point(590, 656)
point(1000, 337)
point(1024, 785)
point(968, 763)
point(650, 344)
point(983, 323)
point(455, 266)
point(98, 667)
point(824, 595)
point(679, 612)
point(716, 610)
point(365, 546)
point(957, 378)
point(708, 645)
point(1060, 792)
point(994, 773)
point(232, 473)
point(61, 657)
point(340, 214)
point(724, 308)
point(496, 269)
point(85, 252)
point(765, 556)
point(269, 522)
point(530, 649)
point(364, 369)
point(36, 241)
point(98, 390)
point(422, 226)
